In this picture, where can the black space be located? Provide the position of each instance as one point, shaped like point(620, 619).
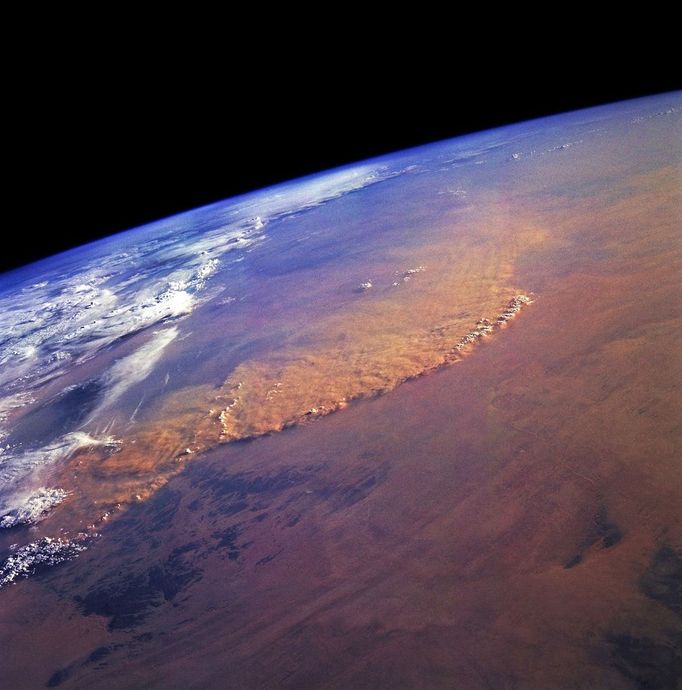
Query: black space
point(103, 151)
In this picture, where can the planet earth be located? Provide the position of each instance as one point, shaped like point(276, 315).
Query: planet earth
point(411, 423)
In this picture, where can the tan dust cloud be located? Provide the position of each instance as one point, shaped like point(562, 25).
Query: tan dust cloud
point(431, 314)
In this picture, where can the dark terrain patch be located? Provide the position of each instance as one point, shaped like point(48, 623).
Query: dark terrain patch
point(233, 493)
point(129, 599)
point(268, 558)
point(58, 677)
point(232, 508)
point(164, 508)
point(185, 548)
point(240, 486)
point(663, 579)
point(601, 534)
point(650, 664)
point(348, 494)
point(97, 656)
point(604, 531)
point(227, 540)
point(143, 637)
point(576, 560)
point(655, 664)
